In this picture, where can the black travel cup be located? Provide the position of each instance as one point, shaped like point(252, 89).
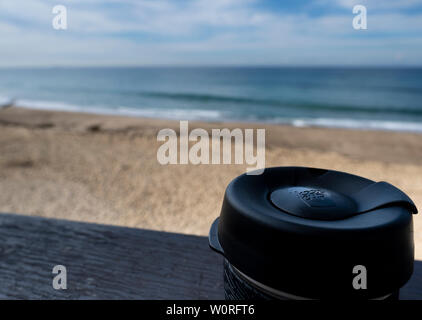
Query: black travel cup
point(304, 233)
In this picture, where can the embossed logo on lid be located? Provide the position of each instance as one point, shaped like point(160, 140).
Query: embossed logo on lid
point(313, 203)
point(313, 197)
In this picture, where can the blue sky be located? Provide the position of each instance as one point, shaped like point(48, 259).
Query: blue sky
point(210, 32)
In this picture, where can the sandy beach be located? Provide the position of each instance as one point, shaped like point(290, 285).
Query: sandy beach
point(104, 169)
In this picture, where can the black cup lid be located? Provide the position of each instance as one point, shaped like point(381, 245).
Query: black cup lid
point(302, 230)
point(315, 202)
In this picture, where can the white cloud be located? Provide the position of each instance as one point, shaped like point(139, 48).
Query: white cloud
point(201, 32)
point(375, 4)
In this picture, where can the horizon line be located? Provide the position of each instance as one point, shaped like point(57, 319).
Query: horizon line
point(346, 66)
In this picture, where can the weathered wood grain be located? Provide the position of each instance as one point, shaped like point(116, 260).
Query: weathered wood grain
point(104, 262)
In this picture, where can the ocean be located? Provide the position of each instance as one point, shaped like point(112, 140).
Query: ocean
point(363, 98)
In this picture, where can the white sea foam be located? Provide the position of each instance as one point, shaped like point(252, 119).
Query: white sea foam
point(359, 124)
point(185, 114)
point(48, 105)
point(4, 99)
point(216, 115)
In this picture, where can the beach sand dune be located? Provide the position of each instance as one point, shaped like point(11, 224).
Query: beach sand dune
point(104, 169)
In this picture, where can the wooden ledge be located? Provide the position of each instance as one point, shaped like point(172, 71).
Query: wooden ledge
point(108, 262)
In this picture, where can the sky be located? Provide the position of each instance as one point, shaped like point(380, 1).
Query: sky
point(210, 32)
